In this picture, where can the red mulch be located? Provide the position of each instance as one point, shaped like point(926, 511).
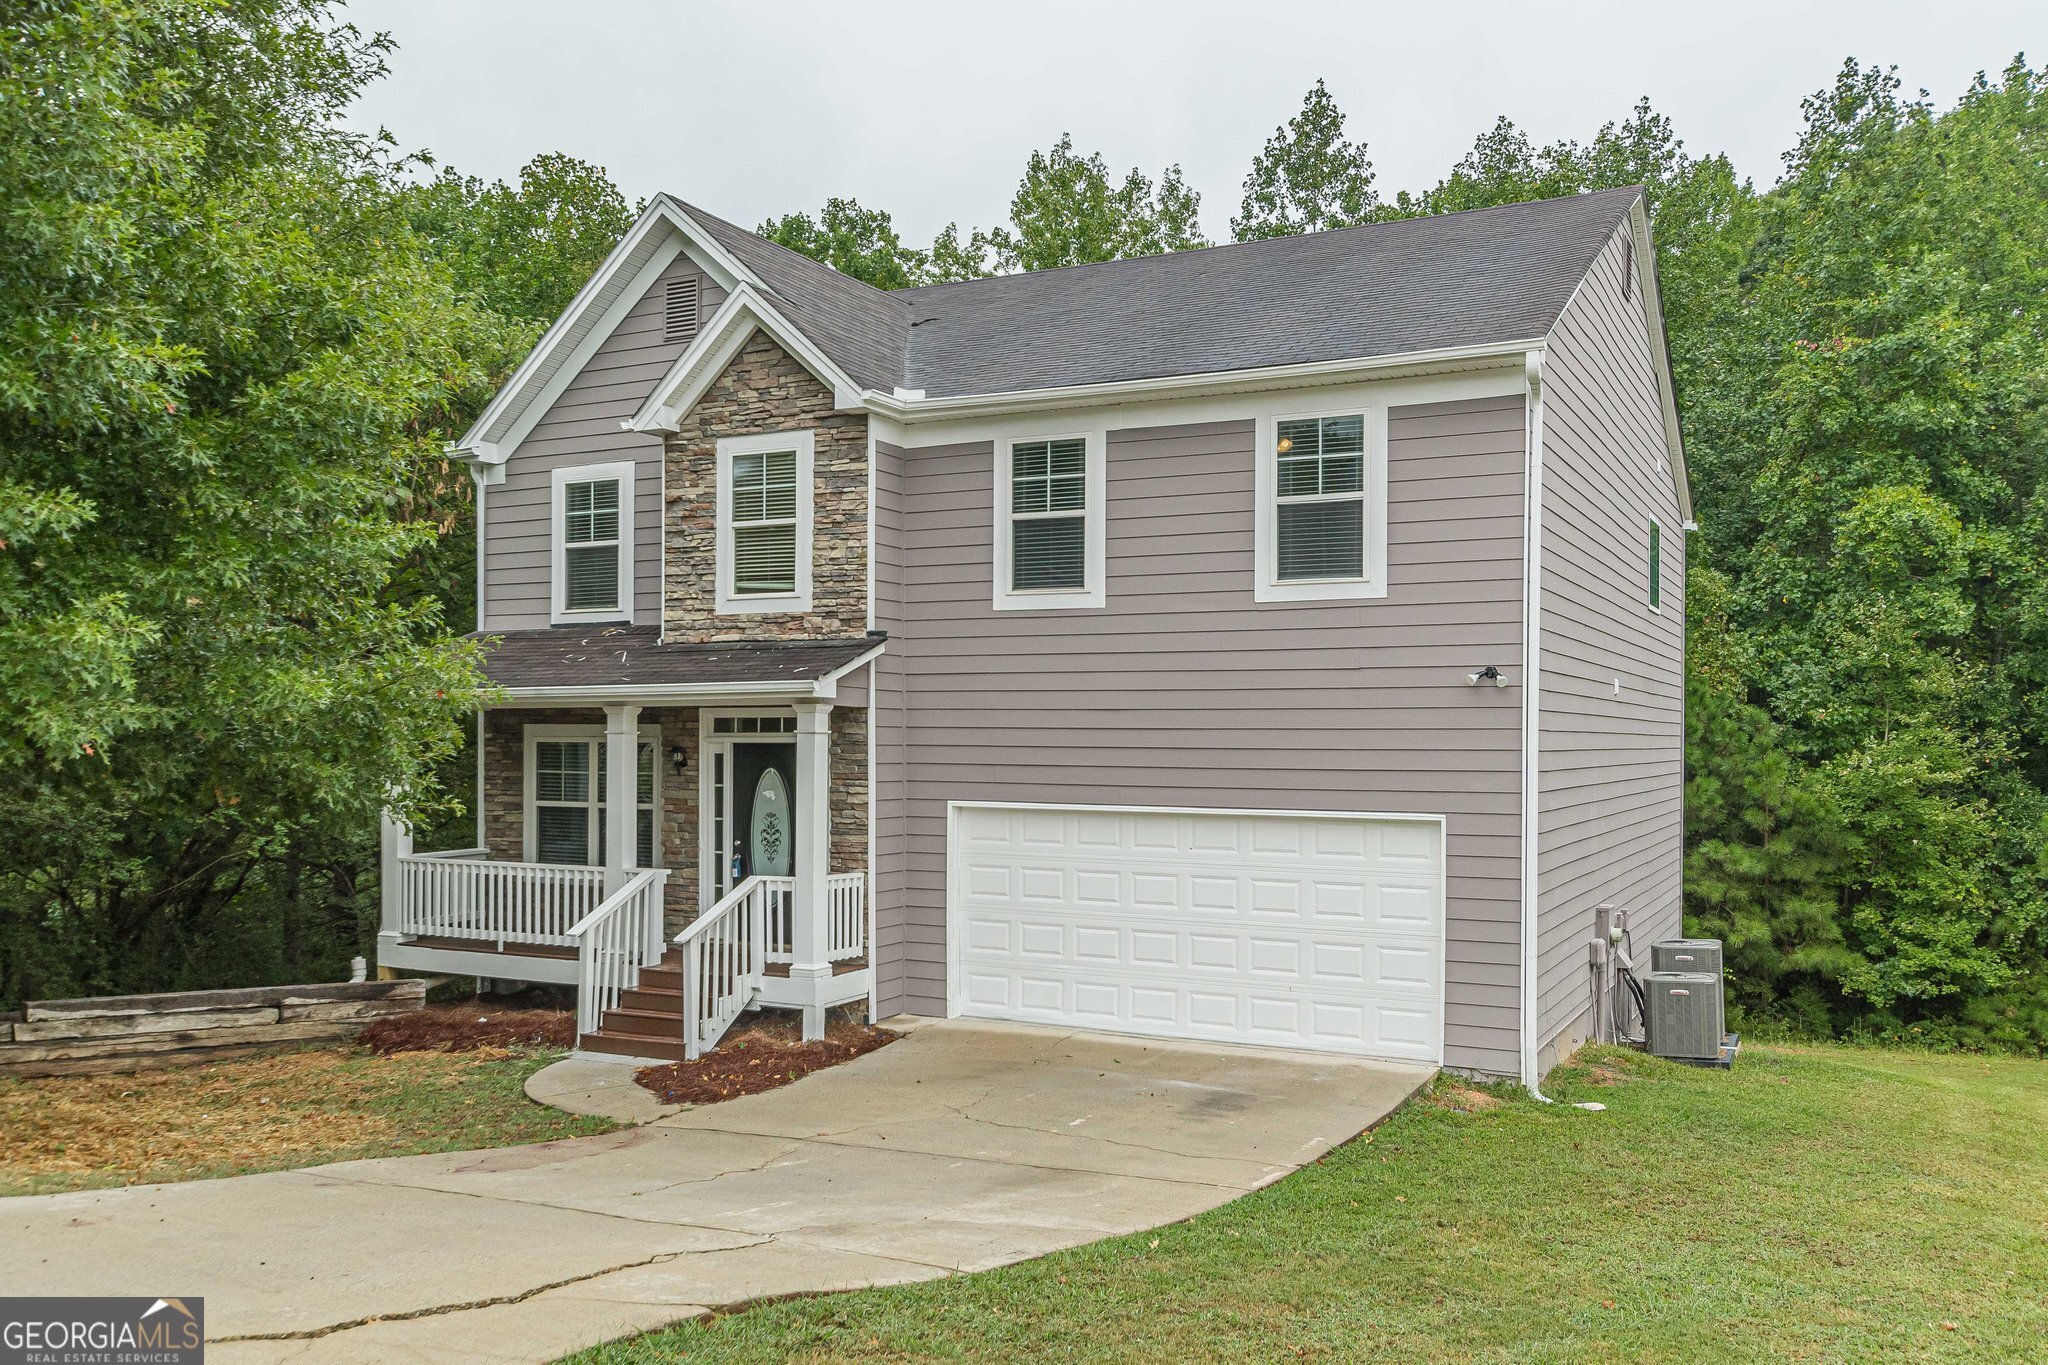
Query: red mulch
point(760, 1054)
point(469, 1026)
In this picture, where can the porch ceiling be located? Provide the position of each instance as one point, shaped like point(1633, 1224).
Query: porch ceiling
point(631, 661)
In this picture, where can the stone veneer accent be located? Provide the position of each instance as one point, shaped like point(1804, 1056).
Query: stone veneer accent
point(504, 795)
point(764, 389)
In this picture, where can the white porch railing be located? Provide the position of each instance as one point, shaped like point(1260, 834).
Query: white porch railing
point(724, 951)
point(846, 901)
point(614, 943)
point(458, 895)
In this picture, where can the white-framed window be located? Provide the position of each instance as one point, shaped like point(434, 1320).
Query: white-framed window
point(764, 522)
point(567, 806)
point(1049, 522)
point(1321, 485)
point(591, 534)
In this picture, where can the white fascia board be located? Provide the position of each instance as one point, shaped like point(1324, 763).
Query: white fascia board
point(913, 411)
point(744, 310)
point(486, 441)
point(1653, 316)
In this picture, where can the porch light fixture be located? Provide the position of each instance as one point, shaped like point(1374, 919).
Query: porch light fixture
point(678, 758)
point(1487, 674)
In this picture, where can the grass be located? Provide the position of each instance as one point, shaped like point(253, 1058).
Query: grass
point(1817, 1203)
point(268, 1113)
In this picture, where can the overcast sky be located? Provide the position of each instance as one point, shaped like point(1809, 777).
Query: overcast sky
point(929, 110)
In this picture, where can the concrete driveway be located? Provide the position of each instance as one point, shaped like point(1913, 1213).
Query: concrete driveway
point(963, 1146)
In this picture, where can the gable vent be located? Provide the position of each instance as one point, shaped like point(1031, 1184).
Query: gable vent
point(679, 311)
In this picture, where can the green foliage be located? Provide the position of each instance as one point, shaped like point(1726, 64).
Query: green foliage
point(852, 240)
point(522, 250)
point(222, 336)
point(1068, 211)
point(1308, 178)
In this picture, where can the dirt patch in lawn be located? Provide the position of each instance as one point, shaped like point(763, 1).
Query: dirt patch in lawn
point(469, 1026)
point(758, 1055)
point(264, 1113)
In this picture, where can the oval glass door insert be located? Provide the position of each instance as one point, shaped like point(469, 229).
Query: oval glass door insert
point(771, 839)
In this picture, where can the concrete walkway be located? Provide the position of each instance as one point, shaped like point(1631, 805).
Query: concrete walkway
point(963, 1146)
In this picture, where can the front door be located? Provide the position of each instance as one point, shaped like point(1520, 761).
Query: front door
point(752, 826)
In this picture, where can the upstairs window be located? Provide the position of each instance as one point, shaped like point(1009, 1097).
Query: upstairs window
point(1049, 522)
point(590, 537)
point(764, 522)
point(593, 543)
point(1048, 514)
point(1322, 497)
point(1321, 484)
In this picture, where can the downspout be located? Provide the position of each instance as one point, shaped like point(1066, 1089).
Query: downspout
point(1532, 673)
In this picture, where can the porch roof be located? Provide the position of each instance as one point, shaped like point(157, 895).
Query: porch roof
point(631, 661)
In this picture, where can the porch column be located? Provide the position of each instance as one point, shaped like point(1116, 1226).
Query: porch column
point(394, 841)
point(813, 853)
point(622, 794)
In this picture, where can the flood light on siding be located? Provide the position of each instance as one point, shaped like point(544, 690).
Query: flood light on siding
point(1487, 674)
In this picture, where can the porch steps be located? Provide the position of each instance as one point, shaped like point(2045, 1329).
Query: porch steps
point(649, 1019)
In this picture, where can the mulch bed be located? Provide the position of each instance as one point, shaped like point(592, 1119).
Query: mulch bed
point(469, 1026)
point(760, 1054)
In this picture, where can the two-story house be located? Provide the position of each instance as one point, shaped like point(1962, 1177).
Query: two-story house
point(1276, 644)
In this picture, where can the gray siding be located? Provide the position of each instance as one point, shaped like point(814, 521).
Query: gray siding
point(582, 427)
point(1609, 813)
point(1184, 691)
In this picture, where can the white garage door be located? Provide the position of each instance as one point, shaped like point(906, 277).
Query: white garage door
point(1276, 928)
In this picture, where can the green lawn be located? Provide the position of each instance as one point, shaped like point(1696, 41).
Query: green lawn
point(1818, 1203)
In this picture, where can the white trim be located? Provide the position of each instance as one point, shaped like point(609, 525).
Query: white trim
point(744, 311)
point(653, 694)
point(1267, 585)
point(1445, 359)
point(531, 735)
point(1652, 300)
point(955, 944)
point(485, 441)
point(708, 746)
point(626, 472)
point(533, 409)
point(1532, 715)
point(872, 910)
point(804, 444)
point(1495, 381)
point(1091, 592)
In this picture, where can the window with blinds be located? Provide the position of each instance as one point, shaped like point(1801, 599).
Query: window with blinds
point(1321, 495)
point(569, 802)
point(590, 540)
point(763, 516)
point(1049, 514)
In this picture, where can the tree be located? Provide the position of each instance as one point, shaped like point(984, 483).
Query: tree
point(1067, 212)
point(523, 250)
point(854, 241)
point(1308, 178)
point(224, 349)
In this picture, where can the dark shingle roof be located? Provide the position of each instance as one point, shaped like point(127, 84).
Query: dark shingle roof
point(1480, 277)
point(1420, 284)
point(622, 656)
point(862, 328)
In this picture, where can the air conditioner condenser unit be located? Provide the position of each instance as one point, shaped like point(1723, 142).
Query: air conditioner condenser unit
point(1701, 955)
point(1682, 1015)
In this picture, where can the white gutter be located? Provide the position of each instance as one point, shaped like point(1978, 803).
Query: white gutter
point(908, 406)
point(1532, 674)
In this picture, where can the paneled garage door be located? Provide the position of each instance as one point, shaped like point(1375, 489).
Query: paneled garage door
point(1271, 928)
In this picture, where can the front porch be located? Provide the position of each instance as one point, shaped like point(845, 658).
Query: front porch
point(735, 879)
